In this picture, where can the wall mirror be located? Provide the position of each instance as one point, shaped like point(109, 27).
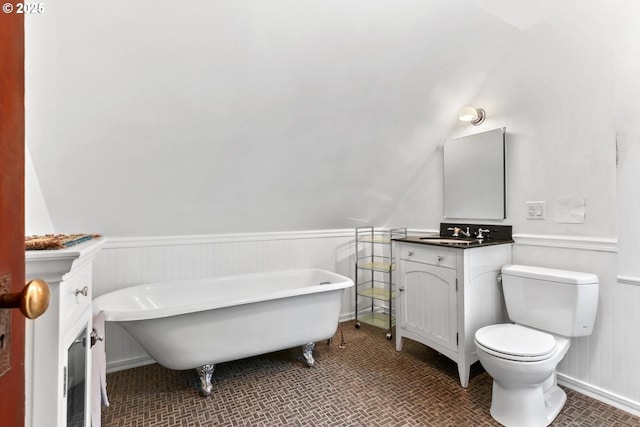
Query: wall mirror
point(474, 176)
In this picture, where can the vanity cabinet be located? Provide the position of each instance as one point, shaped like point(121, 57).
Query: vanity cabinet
point(58, 343)
point(446, 294)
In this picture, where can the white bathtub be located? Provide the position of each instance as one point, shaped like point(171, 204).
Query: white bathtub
point(198, 323)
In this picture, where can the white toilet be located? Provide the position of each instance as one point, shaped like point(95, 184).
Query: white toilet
point(548, 307)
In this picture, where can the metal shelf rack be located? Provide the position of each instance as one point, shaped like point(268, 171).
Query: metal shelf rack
point(374, 287)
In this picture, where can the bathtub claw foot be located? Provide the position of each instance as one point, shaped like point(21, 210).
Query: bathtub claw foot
point(307, 352)
point(205, 372)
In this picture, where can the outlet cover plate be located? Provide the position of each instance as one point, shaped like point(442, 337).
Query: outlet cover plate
point(536, 210)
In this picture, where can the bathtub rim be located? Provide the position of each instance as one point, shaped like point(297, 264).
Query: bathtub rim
point(128, 315)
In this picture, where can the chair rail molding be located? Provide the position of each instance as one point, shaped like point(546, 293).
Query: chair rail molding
point(154, 241)
point(628, 280)
point(598, 244)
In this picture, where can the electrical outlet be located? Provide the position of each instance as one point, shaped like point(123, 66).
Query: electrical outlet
point(536, 210)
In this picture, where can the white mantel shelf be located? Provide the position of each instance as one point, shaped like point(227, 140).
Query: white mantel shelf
point(53, 265)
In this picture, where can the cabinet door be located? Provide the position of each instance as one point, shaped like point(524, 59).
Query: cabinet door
point(429, 303)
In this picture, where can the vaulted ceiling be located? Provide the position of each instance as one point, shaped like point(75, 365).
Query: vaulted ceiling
point(157, 117)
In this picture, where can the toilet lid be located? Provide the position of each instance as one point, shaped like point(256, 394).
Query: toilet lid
point(515, 340)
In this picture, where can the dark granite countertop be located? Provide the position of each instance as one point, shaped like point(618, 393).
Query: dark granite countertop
point(452, 242)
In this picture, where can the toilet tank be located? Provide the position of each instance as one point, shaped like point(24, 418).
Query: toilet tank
point(557, 301)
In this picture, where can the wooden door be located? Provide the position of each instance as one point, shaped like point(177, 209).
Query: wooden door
point(12, 214)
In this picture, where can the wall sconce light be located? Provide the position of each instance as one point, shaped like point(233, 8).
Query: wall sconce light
point(475, 116)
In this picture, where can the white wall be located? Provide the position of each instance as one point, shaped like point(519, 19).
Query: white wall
point(222, 117)
point(554, 93)
point(626, 68)
point(566, 91)
point(624, 337)
point(37, 219)
point(164, 118)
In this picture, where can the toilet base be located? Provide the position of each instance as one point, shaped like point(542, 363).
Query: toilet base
point(528, 406)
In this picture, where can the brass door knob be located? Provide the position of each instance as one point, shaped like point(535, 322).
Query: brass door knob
point(32, 301)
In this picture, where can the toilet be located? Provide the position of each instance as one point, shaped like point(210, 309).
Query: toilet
point(548, 307)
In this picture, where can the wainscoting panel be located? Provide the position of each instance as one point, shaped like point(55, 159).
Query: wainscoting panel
point(605, 364)
point(128, 262)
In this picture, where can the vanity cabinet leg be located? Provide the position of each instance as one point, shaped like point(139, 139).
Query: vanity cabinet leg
point(463, 370)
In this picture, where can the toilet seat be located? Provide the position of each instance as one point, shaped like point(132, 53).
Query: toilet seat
point(515, 342)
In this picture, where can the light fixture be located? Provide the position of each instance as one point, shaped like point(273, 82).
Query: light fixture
point(475, 116)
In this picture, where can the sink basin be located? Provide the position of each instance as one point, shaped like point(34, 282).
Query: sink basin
point(448, 241)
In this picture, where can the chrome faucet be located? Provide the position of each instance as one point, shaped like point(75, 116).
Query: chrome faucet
point(457, 231)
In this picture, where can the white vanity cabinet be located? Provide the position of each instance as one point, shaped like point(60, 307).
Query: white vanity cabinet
point(57, 344)
point(446, 294)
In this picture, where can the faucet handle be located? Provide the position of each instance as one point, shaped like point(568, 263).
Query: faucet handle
point(455, 230)
point(479, 235)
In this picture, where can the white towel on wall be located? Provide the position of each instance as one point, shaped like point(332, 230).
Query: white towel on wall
point(99, 373)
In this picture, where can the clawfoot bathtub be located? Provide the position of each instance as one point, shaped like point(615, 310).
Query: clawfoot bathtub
point(195, 324)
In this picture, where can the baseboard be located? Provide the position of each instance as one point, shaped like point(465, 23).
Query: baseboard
point(597, 393)
point(345, 317)
point(122, 365)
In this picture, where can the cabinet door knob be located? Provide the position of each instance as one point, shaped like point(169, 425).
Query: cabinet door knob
point(401, 289)
point(440, 258)
point(410, 253)
point(95, 337)
point(84, 291)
